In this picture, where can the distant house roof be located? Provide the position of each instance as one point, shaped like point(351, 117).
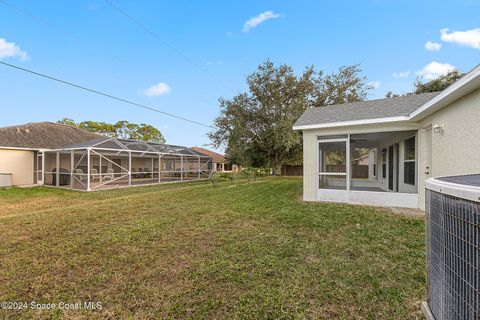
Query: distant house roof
point(217, 157)
point(44, 135)
point(364, 110)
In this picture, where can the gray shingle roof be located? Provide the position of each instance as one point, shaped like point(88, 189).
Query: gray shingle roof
point(43, 135)
point(364, 110)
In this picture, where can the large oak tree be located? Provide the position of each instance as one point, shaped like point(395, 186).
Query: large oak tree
point(255, 127)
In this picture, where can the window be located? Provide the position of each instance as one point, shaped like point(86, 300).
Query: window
point(409, 162)
point(374, 165)
point(384, 163)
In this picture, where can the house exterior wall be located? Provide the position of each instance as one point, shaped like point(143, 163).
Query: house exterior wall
point(453, 152)
point(456, 150)
point(310, 170)
point(19, 163)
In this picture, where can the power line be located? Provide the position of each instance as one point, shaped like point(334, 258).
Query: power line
point(166, 44)
point(56, 28)
point(73, 36)
point(105, 94)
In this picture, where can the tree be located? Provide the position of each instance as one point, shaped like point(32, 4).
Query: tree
point(67, 121)
point(255, 127)
point(437, 84)
point(346, 85)
point(121, 129)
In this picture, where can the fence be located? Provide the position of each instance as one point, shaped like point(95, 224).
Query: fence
point(292, 170)
point(358, 171)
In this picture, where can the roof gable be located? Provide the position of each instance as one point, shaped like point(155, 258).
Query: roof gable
point(364, 110)
point(406, 108)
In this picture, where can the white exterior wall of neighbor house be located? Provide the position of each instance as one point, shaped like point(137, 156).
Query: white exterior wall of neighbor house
point(19, 163)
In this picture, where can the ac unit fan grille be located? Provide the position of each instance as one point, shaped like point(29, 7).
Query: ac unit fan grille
point(453, 256)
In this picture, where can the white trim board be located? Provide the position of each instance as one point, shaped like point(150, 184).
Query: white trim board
point(370, 198)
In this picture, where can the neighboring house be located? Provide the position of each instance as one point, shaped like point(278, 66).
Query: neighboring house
point(64, 156)
point(219, 162)
point(410, 138)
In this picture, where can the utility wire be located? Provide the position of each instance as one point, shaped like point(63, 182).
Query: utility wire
point(166, 44)
point(104, 94)
point(56, 28)
point(73, 36)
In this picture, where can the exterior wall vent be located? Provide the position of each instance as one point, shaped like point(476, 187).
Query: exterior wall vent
point(453, 239)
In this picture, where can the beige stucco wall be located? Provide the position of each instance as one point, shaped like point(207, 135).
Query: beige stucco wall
point(19, 163)
point(457, 149)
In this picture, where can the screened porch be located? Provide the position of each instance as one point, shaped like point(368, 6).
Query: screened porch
point(115, 163)
point(372, 168)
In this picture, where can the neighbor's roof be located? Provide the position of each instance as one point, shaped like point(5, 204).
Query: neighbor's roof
point(43, 135)
point(364, 110)
point(217, 157)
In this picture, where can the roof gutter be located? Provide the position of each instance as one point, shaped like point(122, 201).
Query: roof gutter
point(351, 123)
point(20, 148)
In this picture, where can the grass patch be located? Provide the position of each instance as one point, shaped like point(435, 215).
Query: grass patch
point(245, 251)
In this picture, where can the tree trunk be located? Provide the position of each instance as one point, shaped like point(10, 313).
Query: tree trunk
point(277, 169)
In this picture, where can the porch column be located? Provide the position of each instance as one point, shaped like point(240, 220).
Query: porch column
point(100, 168)
point(349, 162)
point(159, 168)
point(57, 165)
point(152, 168)
point(181, 168)
point(72, 165)
point(43, 167)
point(88, 169)
point(198, 167)
point(129, 168)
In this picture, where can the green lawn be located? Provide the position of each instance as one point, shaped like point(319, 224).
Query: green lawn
point(243, 251)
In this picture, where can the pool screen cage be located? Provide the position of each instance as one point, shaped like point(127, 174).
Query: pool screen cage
point(113, 163)
point(453, 218)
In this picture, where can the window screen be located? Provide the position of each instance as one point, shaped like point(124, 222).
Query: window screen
point(409, 161)
point(384, 163)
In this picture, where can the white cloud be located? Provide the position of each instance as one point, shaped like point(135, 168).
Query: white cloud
point(468, 38)
point(434, 70)
point(209, 63)
point(11, 50)
point(157, 89)
point(433, 46)
point(257, 20)
point(374, 84)
point(401, 75)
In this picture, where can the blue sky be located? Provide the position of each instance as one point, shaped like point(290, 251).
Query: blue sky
point(216, 44)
